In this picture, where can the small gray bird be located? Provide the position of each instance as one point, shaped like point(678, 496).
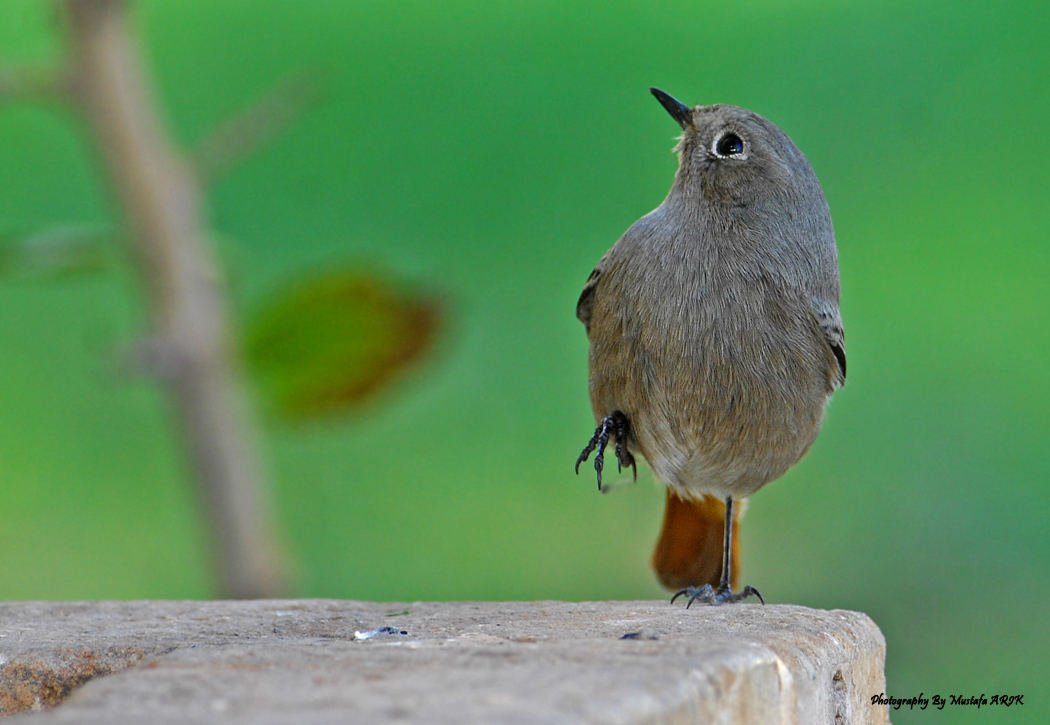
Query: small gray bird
point(715, 335)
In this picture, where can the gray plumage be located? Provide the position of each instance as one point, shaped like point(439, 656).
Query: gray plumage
point(714, 321)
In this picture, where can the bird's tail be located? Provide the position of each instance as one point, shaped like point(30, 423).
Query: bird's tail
point(689, 550)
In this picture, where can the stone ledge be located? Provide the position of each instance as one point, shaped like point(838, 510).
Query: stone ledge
point(497, 662)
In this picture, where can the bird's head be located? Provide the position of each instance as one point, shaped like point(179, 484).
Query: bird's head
point(731, 156)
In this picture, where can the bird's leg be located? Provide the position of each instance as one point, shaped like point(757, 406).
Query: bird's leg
point(724, 594)
point(615, 425)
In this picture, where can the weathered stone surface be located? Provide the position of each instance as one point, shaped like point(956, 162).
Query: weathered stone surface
point(496, 662)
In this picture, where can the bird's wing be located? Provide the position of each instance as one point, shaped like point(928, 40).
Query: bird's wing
point(586, 301)
point(830, 320)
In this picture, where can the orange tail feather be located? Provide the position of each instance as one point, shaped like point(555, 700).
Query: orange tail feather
point(689, 550)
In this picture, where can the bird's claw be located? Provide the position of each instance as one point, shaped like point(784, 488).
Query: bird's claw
point(724, 595)
point(614, 425)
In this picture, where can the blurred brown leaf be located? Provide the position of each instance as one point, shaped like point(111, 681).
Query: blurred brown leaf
point(327, 343)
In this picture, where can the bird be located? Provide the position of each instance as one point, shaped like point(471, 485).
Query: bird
point(715, 337)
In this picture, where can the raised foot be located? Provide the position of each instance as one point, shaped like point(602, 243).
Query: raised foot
point(614, 425)
point(724, 595)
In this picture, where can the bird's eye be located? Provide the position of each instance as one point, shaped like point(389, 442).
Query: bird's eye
point(729, 145)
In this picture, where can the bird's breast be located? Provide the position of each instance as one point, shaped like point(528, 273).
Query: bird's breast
point(718, 368)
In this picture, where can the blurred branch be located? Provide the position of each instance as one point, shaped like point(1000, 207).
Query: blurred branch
point(241, 135)
point(150, 357)
point(159, 197)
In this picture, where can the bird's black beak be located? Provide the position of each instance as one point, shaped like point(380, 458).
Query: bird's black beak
point(678, 110)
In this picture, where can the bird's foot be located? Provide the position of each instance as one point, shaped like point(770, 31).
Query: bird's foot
point(614, 425)
point(723, 595)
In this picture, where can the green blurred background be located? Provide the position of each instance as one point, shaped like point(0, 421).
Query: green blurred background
point(489, 153)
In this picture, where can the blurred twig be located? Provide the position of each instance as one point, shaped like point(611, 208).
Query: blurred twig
point(33, 83)
point(239, 136)
point(159, 196)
